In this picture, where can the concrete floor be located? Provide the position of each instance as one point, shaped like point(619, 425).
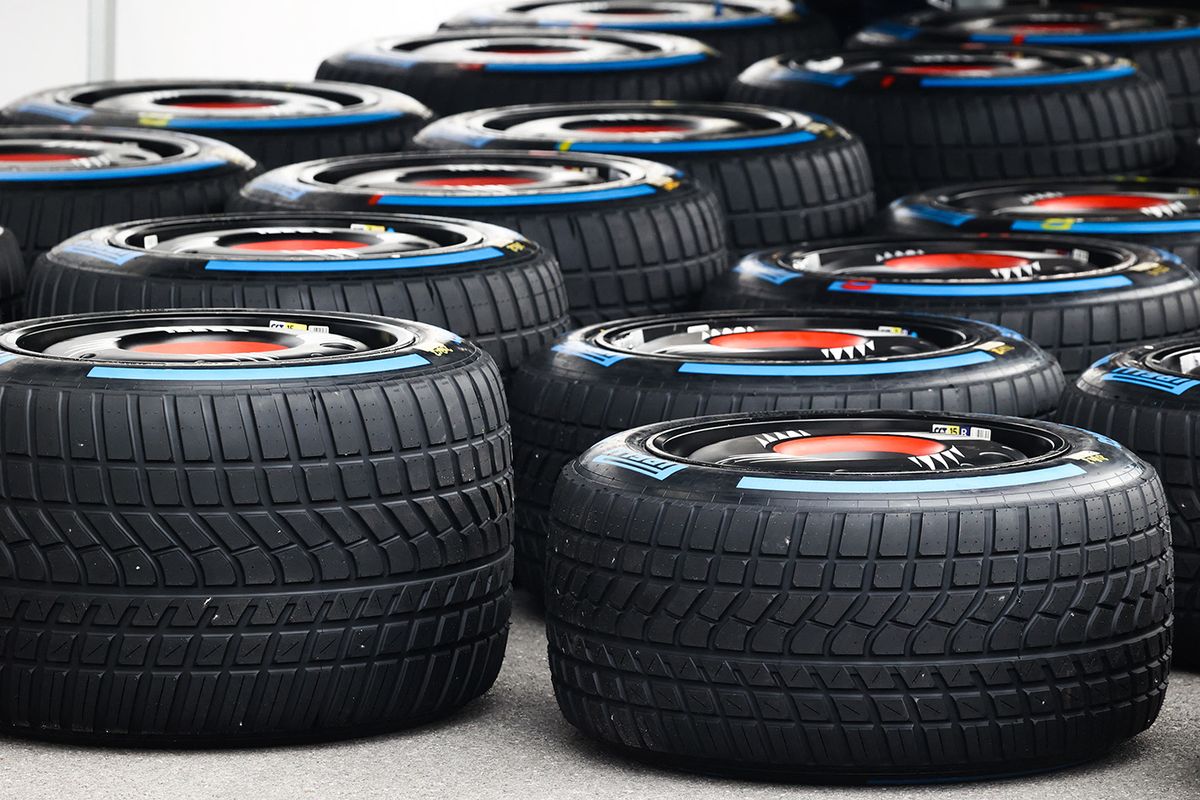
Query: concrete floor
point(513, 744)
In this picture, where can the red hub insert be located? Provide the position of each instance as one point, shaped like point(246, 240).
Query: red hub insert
point(300, 244)
point(947, 69)
point(1098, 202)
point(637, 127)
point(476, 180)
point(955, 261)
point(208, 347)
point(35, 156)
point(859, 443)
point(786, 340)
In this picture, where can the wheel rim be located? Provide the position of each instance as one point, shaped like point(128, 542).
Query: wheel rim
point(955, 261)
point(216, 99)
point(763, 338)
point(509, 46)
point(640, 12)
point(47, 150)
point(643, 122)
point(473, 178)
point(1055, 22)
point(203, 337)
point(856, 444)
point(949, 62)
point(310, 237)
point(1141, 200)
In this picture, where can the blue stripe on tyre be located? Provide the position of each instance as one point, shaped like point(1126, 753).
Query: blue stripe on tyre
point(597, 196)
point(268, 374)
point(360, 265)
point(1005, 81)
point(839, 370)
point(189, 123)
point(920, 485)
point(1080, 39)
point(700, 146)
point(939, 215)
point(983, 290)
point(104, 174)
point(1149, 226)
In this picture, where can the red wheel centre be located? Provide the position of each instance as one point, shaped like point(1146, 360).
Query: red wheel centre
point(955, 261)
point(36, 156)
point(208, 347)
point(636, 127)
point(859, 443)
point(476, 180)
point(300, 244)
point(786, 340)
point(1097, 202)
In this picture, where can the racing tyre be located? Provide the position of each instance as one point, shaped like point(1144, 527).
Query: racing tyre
point(464, 70)
point(275, 123)
point(56, 181)
point(247, 527)
point(1164, 43)
point(633, 237)
point(486, 283)
point(741, 30)
point(608, 378)
point(1146, 398)
point(794, 595)
point(1163, 213)
point(12, 277)
point(936, 116)
point(780, 176)
point(1078, 298)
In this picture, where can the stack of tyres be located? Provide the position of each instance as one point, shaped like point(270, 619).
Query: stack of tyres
point(275, 123)
point(487, 283)
point(56, 181)
point(607, 378)
point(633, 237)
point(245, 527)
point(797, 595)
point(780, 176)
point(1163, 42)
point(463, 70)
point(1079, 298)
point(1158, 212)
point(942, 115)
point(742, 31)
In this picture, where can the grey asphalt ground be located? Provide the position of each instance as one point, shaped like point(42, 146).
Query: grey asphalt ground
point(513, 744)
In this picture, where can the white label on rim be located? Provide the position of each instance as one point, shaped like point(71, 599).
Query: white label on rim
point(1188, 362)
point(1081, 255)
point(362, 226)
point(150, 241)
point(966, 431)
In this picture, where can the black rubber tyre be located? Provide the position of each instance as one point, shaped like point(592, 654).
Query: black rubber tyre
point(465, 70)
point(633, 237)
point(1022, 114)
point(780, 176)
point(1164, 43)
point(222, 545)
point(12, 277)
point(742, 31)
point(56, 181)
point(1163, 213)
point(608, 378)
point(486, 283)
point(754, 607)
point(1078, 298)
point(275, 123)
point(1146, 398)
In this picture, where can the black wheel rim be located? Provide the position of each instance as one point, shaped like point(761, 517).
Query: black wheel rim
point(647, 13)
point(946, 62)
point(1142, 200)
point(216, 99)
point(50, 149)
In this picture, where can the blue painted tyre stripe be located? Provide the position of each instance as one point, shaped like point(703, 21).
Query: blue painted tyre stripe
point(1090, 38)
point(975, 483)
point(361, 265)
point(268, 374)
point(516, 200)
point(104, 174)
point(939, 215)
point(1029, 80)
point(186, 123)
point(1163, 226)
point(602, 66)
point(705, 146)
point(989, 290)
point(839, 370)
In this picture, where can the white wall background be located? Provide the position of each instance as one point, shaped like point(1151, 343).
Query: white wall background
point(45, 41)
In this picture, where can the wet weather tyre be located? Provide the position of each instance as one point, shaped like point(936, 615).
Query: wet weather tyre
point(1076, 113)
point(600, 380)
point(632, 237)
point(793, 622)
point(1158, 212)
point(12, 277)
point(1144, 399)
point(742, 32)
point(59, 180)
point(484, 282)
point(275, 123)
point(1078, 298)
point(464, 70)
point(780, 176)
point(233, 553)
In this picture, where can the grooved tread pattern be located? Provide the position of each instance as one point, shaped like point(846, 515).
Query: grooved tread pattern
point(512, 310)
point(558, 414)
point(1076, 332)
point(925, 139)
point(450, 89)
point(1169, 438)
point(42, 216)
point(251, 563)
point(12, 276)
point(967, 637)
point(627, 258)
